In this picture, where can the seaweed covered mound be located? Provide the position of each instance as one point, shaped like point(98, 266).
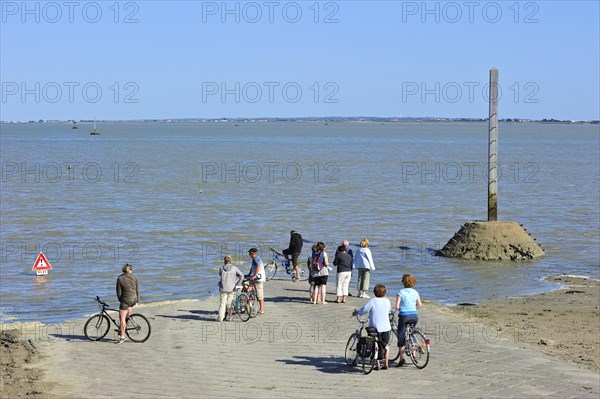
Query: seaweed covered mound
point(492, 240)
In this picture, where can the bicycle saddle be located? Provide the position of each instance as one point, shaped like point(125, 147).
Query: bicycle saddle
point(372, 331)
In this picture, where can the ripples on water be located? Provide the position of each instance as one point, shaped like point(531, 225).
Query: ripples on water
point(170, 201)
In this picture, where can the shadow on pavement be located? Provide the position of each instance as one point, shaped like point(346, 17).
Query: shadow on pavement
point(202, 315)
point(71, 337)
point(278, 299)
point(325, 364)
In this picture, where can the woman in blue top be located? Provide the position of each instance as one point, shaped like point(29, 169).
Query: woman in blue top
point(379, 317)
point(407, 302)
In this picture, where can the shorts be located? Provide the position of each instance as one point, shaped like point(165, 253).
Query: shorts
point(260, 290)
point(127, 303)
point(385, 337)
point(295, 256)
point(320, 280)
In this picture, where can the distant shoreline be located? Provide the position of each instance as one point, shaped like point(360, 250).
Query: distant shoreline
point(325, 120)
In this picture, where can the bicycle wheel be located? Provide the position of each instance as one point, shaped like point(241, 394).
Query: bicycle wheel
point(254, 304)
point(394, 349)
point(96, 327)
point(138, 328)
point(350, 354)
point(270, 270)
point(242, 306)
point(419, 350)
point(368, 363)
point(303, 274)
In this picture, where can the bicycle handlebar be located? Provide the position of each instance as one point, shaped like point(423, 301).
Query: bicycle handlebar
point(272, 250)
point(250, 281)
point(364, 319)
point(101, 302)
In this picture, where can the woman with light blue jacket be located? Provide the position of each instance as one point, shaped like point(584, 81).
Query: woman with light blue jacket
point(363, 261)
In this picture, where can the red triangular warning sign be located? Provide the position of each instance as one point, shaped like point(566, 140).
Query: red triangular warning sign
point(41, 263)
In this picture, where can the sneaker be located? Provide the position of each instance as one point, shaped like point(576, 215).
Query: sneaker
point(365, 296)
point(121, 340)
point(401, 363)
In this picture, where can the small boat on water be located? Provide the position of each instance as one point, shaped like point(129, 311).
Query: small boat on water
point(95, 132)
point(75, 125)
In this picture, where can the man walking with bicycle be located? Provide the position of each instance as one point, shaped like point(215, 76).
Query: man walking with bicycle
point(257, 273)
point(128, 294)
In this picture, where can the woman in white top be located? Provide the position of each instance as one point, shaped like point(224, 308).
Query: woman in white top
point(363, 261)
point(379, 311)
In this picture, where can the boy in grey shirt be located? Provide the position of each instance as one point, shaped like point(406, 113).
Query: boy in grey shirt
point(230, 277)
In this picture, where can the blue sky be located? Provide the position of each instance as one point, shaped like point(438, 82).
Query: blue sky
point(210, 59)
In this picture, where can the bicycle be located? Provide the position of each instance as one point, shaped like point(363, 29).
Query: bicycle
point(245, 304)
point(96, 327)
point(416, 343)
point(364, 348)
point(280, 260)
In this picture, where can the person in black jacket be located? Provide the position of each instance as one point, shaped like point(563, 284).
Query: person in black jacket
point(294, 250)
point(343, 261)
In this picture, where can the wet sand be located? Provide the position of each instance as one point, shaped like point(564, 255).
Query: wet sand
point(18, 357)
point(564, 323)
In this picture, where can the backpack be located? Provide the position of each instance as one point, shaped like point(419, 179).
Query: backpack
point(317, 261)
point(365, 347)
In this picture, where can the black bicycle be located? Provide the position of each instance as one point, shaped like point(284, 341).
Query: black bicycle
point(97, 326)
point(416, 343)
point(280, 260)
point(364, 349)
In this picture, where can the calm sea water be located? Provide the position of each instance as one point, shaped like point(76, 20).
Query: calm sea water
point(172, 199)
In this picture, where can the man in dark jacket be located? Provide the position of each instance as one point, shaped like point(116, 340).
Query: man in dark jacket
point(294, 249)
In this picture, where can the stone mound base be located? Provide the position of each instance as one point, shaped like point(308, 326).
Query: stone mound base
point(492, 240)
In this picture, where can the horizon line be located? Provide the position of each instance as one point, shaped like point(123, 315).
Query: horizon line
point(306, 118)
